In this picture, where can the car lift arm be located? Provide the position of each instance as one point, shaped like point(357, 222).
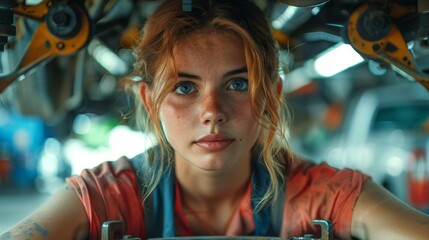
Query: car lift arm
point(64, 28)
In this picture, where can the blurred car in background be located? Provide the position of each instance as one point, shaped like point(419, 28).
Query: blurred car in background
point(385, 134)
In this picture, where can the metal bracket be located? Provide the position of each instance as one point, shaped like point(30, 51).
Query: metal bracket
point(112, 230)
point(326, 231)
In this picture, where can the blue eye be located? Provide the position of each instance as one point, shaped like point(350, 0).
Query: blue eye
point(183, 88)
point(239, 84)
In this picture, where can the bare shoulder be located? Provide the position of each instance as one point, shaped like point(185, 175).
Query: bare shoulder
point(380, 215)
point(62, 216)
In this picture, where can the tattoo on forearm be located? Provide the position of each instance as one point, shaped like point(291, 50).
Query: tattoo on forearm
point(6, 236)
point(39, 229)
point(27, 230)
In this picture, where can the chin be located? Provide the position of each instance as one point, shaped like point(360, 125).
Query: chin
point(215, 164)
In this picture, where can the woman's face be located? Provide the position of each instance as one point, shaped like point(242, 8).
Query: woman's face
point(207, 118)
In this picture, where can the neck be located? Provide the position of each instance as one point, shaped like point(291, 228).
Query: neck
point(207, 189)
point(209, 200)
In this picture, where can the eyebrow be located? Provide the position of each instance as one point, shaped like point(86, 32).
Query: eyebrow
point(228, 74)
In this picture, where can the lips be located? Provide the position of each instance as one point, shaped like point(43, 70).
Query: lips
point(214, 142)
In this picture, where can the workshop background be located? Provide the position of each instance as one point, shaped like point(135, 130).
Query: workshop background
point(355, 77)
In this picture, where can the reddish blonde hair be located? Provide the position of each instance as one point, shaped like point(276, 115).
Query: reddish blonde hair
point(168, 25)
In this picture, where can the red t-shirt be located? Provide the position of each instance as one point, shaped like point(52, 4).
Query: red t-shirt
point(111, 192)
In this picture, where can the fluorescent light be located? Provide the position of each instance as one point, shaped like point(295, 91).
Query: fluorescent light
point(286, 16)
point(33, 2)
point(107, 58)
point(336, 59)
point(295, 79)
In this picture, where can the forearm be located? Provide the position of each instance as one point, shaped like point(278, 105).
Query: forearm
point(26, 229)
point(61, 217)
point(379, 215)
point(30, 229)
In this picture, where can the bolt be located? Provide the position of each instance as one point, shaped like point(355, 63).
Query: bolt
point(61, 18)
point(60, 45)
point(379, 21)
point(376, 47)
point(373, 25)
point(62, 21)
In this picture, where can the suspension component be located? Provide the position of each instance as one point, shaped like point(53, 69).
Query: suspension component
point(373, 34)
point(65, 27)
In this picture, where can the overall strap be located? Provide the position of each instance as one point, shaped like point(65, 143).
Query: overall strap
point(277, 212)
point(268, 219)
point(159, 205)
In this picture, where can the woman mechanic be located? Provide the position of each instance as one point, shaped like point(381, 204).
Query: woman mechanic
point(211, 94)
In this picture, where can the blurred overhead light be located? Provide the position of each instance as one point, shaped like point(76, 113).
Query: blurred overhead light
point(292, 17)
point(315, 10)
point(336, 59)
point(122, 141)
point(49, 161)
point(286, 16)
point(33, 2)
point(107, 58)
point(328, 63)
point(82, 124)
point(140, 141)
point(395, 166)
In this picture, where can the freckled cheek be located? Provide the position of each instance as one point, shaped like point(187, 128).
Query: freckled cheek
point(242, 112)
point(174, 120)
point(246, 121)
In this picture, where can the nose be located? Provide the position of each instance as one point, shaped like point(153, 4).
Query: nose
point(212, 109)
